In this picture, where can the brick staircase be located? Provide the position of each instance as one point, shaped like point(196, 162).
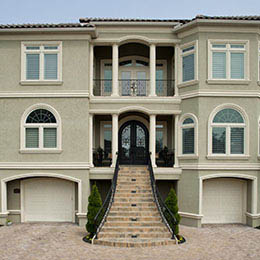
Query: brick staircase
point(134, 220)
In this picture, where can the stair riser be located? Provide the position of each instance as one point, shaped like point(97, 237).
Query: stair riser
point(134, 229)
point(154, 213)
point(139, 218)
point(134, 224)
point(139, 235)
point(133, 200)
point(127, 209)
point(138, 204)
point(133, 195)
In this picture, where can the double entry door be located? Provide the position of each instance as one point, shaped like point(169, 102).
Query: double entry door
point(134, 82)
point(133, 143)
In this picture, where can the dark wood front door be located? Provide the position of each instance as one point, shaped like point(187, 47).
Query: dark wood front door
point(133, 143)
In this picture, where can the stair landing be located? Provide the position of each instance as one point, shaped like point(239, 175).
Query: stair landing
point(134, 220)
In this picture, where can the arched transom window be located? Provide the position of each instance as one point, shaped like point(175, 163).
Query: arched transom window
point(228, 132)
point(41, 130)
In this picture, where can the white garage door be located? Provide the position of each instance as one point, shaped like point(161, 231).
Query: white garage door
point(224, 200)
point(47, 199)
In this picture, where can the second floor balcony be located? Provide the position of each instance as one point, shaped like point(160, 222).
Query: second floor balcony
point(132, 70)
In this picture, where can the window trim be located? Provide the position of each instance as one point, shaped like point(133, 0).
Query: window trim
point(245, 125)
point(41, 80)
point(102, 131)
point(24, 125)
point(196, 62)
point(194, 155)
point(228, 50)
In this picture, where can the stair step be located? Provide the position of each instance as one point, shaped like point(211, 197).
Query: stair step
point(134, 242)
point(133, 195)
point(129, 218)
point(135, 199)
point(130, 234)
point(133, 213)
point(134, 203)
point(126, 209)
point(134, 229)
point(134, 224)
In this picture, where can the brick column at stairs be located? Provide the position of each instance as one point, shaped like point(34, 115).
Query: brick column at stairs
point(134, 220)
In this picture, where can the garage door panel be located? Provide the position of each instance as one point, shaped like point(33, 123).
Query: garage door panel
point(47, 199)
point(223, 200)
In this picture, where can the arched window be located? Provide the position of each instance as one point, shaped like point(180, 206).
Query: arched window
point(40, 130)
point(188, 133)
point(228, 132)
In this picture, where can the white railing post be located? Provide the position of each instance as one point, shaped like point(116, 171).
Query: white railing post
point(152, 70)
point(114, 138)
point(115, 70)
point(152, 138)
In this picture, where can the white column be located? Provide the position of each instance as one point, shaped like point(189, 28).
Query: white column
point(115, 70)
point(152, 138)
point(114, 138)
point(91, 68)
point(176, 160)
point(152, 70)
point(91, 140)
point(176, 55)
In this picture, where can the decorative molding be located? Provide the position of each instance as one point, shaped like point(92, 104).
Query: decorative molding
point(244, 94)
point(41, 83)
point(43, 151)
point(134, 100)
point(191, 215)
point(14, 211)
point(227, 157)
point(222, 166)
point(188, 83)
point(228, 82)
point(253, 216)
point(45, 165)
point(81, 215)
point(4, 214)
point(81, 94)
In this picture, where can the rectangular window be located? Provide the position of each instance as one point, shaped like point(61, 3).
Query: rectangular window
point(237, 140)
point(49, 137)
point(188, 140)
point(228, 61)
point(219, 140)
point(42, 62)
point(188, 63)
point(32, 138)
point(107, 80)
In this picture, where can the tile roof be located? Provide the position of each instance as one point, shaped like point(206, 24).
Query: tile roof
point(47, 25)
point(92, 19)
point(243, 18)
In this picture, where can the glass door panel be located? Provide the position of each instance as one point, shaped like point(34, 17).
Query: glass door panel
point(141, 83)
point(126, 83)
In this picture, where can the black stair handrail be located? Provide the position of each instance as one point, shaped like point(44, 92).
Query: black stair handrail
point(165, 212)
point(101, 216)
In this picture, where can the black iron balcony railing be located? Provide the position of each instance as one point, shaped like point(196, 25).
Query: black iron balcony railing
point(133, 87)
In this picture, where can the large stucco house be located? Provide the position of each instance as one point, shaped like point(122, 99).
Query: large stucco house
point(74, 96)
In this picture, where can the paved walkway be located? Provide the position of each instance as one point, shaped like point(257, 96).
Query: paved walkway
point(64, 241)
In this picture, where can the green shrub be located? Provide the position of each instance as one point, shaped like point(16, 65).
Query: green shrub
point(94, 204)
point(172, 203)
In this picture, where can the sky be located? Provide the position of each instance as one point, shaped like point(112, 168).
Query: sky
point(59, 11)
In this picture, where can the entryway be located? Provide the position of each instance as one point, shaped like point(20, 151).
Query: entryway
point(133, 143)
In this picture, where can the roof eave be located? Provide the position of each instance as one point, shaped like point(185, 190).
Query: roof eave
point(214, 22)
point(92, 31)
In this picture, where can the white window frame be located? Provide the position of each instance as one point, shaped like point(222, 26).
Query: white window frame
point(228, 50)
point(181, 155)
point(228, 127)
point(41, 51)
point(24, 125)
point(180, 62)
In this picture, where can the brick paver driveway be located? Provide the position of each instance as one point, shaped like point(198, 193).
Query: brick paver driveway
point(64, 241)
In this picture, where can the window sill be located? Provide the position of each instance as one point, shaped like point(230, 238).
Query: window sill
point(41, 83)
point(228, 157)
point(188, 157)
point(188, 83)
point(38, 151)
point(228, 82)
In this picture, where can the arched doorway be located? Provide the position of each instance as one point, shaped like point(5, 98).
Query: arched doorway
point(133, 143)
